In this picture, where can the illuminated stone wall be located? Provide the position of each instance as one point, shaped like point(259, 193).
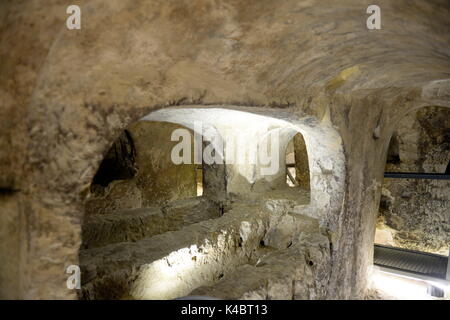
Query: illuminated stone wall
point(156, 179)
point(252, 251)
point(68, 94)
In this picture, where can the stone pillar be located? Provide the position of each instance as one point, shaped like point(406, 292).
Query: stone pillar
point(214, 179)
point(301, 162)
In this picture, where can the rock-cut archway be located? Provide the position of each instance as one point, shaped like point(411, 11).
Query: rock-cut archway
point(260, 219)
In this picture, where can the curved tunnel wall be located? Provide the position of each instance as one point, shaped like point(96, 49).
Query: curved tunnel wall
point(324, 147)
point(82, 89)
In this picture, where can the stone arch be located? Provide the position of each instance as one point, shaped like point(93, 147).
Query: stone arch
point(324, 146)
point(323, 141)
point(102, 78)
point(326, 160)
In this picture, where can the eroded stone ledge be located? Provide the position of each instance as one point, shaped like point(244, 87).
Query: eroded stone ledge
point(135, 224)
point(175, 263)
point(162, 267)
point(299, 272)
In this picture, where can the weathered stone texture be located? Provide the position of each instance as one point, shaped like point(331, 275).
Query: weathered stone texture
point(135, 224)
point(142, 173)
point(158, 177)
point(299, 271)
point(11, 228)
point(162, 267)
point(301, 162)
point(175, 263)
point(415, 214)
point(67, 95)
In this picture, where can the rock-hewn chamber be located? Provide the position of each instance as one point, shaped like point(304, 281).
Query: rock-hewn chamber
point(72, 99)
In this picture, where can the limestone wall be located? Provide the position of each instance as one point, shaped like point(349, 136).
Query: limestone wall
point(415, 214)
point(67, 95)
point(11, 229)
point(264, 247)
point(153, 179)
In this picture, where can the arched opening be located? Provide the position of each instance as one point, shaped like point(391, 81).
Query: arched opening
point(297, 166)
point(187, 225)
point(139, 191)
point(137, 171)
point(393, 156)
point(413, 230)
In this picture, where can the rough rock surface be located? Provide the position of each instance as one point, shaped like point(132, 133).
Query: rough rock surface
point(67, 95)
point(139, 172)
point(161, 267)
point(301, 162)
point(11, 228)
point(299, 271)
point(415, 214)
point(208, 253)
point(135, 224)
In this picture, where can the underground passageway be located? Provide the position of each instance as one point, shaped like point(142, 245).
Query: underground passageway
point(161, 241)
point(229, 149)
point(413, 231)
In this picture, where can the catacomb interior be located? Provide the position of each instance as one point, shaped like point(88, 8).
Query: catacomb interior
point(241, 225)
point(140, 148)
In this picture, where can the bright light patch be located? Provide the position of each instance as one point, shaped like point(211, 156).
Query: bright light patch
point(392, 286)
